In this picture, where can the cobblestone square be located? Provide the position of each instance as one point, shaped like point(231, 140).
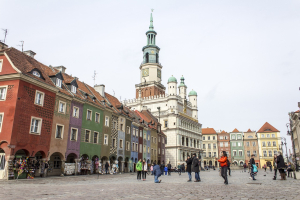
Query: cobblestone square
point(125, 186)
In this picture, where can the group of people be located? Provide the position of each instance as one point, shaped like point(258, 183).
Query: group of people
point(282, 167)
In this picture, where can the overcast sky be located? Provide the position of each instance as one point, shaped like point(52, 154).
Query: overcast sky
point(242, 57)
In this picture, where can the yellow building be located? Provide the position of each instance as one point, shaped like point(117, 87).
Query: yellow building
point(268, 143)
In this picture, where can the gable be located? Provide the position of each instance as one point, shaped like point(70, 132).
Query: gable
point(6, 66)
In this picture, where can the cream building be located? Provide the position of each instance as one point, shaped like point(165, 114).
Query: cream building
point(210, 147)
point(176, 111)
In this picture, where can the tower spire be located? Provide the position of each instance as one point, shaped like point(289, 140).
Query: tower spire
point(151, 27)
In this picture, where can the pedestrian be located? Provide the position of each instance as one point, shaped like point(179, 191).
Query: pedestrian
point(195, 165)
point(139, 167)
point(228, 167)
point(281, 166)
point(182, 168)
point(275, 167)
point(270, 167)
point(290, 169)
point(252, 162)
point(224, 166)
point(156, 172)
point(166, 170)
point(179, 169)
point(106, 167)
point(245, 167)
point(169, 168)
point(151, 169)
point(162, 168)
point(145, 169)
point(265, 167)
point(189, 162)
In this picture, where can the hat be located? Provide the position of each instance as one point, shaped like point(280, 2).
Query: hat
point(194, 154)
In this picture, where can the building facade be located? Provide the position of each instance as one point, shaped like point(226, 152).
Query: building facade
point(251, 147)
point(224, 143)
point(237, 148)
point(210, 147)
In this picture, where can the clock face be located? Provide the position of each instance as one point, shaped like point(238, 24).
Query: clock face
point(145, 72)
point(152, 52)
point(158, 73)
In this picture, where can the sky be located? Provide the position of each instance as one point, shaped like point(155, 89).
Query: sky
point(241, 57)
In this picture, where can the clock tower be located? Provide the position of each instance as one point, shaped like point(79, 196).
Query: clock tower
point(150, 69)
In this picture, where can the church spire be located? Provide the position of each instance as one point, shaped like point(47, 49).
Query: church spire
point(151, 27)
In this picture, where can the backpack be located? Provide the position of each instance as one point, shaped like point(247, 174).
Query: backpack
point(254, 168)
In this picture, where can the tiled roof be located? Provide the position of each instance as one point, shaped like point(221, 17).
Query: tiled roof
point(297, 111)
point(223, 131)
point(235, 131)
point(67, 78)
point(208, 131)
point(267, 128)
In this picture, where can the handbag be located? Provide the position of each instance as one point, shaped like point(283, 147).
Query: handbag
point(254, 168)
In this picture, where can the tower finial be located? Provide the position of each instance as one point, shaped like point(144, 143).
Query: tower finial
point(151, 21)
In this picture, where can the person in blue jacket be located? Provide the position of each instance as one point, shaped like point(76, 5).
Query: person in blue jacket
point(166, 170)
point(157, 173)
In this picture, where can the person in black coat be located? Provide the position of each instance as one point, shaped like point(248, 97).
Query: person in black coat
point(189, 162)
point(281, 166)
point(169, 168)
point(162, 166)
point(195, 165)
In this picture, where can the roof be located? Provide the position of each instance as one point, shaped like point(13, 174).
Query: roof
point(223, 131)
point(267, 128)
point(297, 111)
point(235, 131)
point(193, 93)
point(249, 131)
point(172, 79)
point(207, 131)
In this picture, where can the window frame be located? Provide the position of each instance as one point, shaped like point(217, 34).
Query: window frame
point(58, 82)
point(141, 148)
point(97, 142)
point(1, 64)
point(62, 131)
point(76, 116)
point(72, 89)
point(76, 136)
point(87, 110)
point(106, 120)
point(42, 98)
point(96, 117)
point(89, 140)
point(5, 94)
point(65, 107)
point(121, 146)
point(1, 122)
point(127, 146)
point(39, 125)
point(104, 139)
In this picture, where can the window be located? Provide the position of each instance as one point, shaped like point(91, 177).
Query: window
point(148, 137)
point(87, 135)
point(254, 144)
point(247, 144)
point(214, 137)
point(166, 123)
point(148, 149)
point(73, 89)
point(163, 140)
point(141, 133)
point(74, 132)
point(3, 90)
point(221, 137)
point(152, 139)
point(234, 144)
point(37, 74)
point(39, 98)
point(208, 138)
point(106, 121)
point(209, 146)
point(36, 125)
point(89, 115)
point(263, 144)
point(250, 136)
point(268, 135)
point(114, 142)
point(221, 144)
point(145, 135)
point(96, 134)
point(248, 153)
point(239, 144)
point(234, 153)
point(265, 153)
point(58, 82)
point(76, 112)
point(209, 154)
point(158, 139)
point(105, 141)
point(269, 144)
point(203, 138)
point(61, 107)
point(215, 154)
point(262, 135)
point(133, 146)
point(152, 151)
point(145, 148)
point(270, 153)
point(275, 152)
point(121, 144)
point(1, 63)
point(233, 137)
point(127, 146)
point(136, 147)
point(240, 153)
point(254, 152)
point(274, 144)
point(215, 145)
point(121, 127)
point(226, 144)
point(57, 162)
point(128, 130)
point(155, 140)
point(59, 131)
point(141, 148)
point(203, 146)
point(97, 118)
point(1, 120)
point(163, 152)
point(225, 137)
point(273, 135)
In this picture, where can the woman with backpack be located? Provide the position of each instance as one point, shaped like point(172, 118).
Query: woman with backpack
point(253, 166)
point(223, 162)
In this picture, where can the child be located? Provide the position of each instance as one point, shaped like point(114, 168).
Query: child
point(151, 169)
point(166, 170)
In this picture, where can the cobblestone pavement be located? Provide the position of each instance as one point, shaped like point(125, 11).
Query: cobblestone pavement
point(125, 186)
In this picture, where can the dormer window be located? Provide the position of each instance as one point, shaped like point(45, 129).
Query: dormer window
point(58, 82)
point(37, 74)
point(73, 89)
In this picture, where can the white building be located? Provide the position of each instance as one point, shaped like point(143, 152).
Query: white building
point(177, 113)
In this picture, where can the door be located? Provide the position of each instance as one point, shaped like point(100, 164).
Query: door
point(2, 165)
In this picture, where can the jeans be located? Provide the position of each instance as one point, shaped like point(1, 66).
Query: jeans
point(197, 177)
point(224, 173)
point(156, 179)
point(190, 176)
point(144, 174)
point(179, 171)
point(166, 173)
point(229, 171)
point(252, 173)
point(169, 172)
point(139, 175)
point(106, 170)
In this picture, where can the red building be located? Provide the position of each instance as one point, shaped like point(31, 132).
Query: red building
point(27, 98)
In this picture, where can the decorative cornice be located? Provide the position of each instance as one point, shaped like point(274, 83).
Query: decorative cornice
point(186, 116)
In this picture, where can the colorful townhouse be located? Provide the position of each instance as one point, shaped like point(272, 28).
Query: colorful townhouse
point(224, 143)
point(251, 147)
point(268, 138)
point(134, 141)
point(210, 146)
point(237, 148)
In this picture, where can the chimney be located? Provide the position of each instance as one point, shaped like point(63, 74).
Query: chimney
point(30, 53)
point(100, 89)
point(3, 46)
point(61, 68)
point(76, 78)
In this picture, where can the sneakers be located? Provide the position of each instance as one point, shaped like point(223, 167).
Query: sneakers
point(250, 177)
point(159, 181)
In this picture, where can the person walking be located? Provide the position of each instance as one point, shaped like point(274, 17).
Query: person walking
point(245, 167)
point(166, 170)
point(189, 162)
point(224, 166)
point(281, 166)
point(183, 168)
point(106, 167)
point(156, 172)
point(162, 168)
point(275, 167)
point(169, 168)
point(151, 169)
point(145, 169)
point(195, 165)
point(179, 169)
point(139, 167)
point(265, 167)
point(252, 162)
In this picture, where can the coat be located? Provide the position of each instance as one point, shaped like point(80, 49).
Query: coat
point(156, 171)
point(280, 162)
point(195, 164)
point(169, 166)
point(189, 165)
point(223, 161)
point(139, 166)
point(252, 162)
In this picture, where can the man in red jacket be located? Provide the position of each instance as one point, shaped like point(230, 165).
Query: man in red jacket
point(224, 166)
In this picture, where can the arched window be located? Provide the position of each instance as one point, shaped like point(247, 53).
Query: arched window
point(147, 58)
point(156, 57)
